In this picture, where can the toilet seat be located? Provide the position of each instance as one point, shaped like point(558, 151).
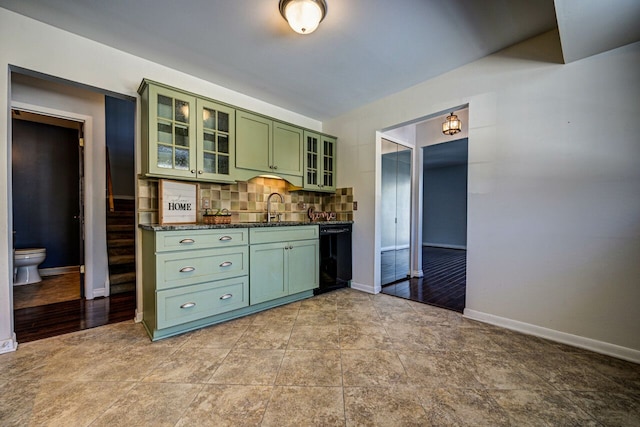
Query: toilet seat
point(30, 251)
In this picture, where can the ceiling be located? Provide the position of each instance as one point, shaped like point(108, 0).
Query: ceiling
point(364, 50)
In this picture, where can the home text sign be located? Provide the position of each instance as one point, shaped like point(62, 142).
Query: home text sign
point(178, 202)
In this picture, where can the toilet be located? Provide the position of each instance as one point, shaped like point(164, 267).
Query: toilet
point(25, 265)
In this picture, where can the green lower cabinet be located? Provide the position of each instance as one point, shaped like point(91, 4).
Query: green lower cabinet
point(284, 268)
point(195, 278)
point(304, 266)
point(267, 270)
point(189, 303)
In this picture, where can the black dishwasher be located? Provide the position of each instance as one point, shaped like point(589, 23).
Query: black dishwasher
point(335, 257)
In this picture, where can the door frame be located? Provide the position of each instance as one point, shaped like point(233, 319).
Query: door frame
point(88, 194)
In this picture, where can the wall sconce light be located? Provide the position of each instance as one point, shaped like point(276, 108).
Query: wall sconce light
point(303, 16)
point(451, 125)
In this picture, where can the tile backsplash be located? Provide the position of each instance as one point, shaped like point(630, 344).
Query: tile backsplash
point(247, 201)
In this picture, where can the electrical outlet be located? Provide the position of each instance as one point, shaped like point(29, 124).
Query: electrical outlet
point(355, 206)
point(206, 203)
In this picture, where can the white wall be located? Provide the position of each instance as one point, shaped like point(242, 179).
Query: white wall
point(554, 212)
point(29, 44)
point(25, 89)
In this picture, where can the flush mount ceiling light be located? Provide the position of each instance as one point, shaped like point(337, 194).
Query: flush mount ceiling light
point(303, 16)
point(451, 125)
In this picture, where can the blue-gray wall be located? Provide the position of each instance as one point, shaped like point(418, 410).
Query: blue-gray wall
point(46, 192)
point(445, 194)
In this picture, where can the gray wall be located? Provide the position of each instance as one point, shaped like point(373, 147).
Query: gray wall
point(445, 196)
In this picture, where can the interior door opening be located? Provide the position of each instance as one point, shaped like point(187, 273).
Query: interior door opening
point(439, 220)
point(47, 209)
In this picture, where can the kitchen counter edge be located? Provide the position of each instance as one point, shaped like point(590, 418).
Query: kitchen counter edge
point(173, 227)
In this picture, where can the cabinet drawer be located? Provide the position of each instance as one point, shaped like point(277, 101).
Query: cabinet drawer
point(283, 234)
point(189, 303)
point(200, 239)
point(189, 267)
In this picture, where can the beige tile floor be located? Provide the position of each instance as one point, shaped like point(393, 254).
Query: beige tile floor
point(345, 358)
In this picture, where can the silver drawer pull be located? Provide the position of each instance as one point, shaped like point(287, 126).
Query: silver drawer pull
point(188, 305)
point(187, 269)
point(187, 241)
point(226, 264)
point(225, 238)
point(226, 296)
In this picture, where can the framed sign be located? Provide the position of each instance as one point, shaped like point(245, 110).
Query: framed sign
point(178, 202)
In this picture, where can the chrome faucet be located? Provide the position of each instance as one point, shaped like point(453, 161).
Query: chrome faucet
point(269, 214)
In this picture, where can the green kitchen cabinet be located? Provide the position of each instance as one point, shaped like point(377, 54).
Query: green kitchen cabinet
point(186, 137)
point(192, 277)
point(319, 162)
point(268, 146)
point(303, 265)
point(216, 142)
point(268, 272)
point(283, 261)
point(196, 277)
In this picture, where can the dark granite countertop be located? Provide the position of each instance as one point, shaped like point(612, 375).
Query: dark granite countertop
point(171, 227)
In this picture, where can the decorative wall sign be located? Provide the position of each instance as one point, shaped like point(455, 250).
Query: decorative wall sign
point(320, 216)
point(178, 202)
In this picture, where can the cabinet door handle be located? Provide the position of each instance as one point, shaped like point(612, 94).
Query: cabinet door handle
point(187, 241)
point(226, 264)
point(275, 167)
point(226, 296)
point(193, 171)
point(200, 172)
point(225, 238)
point(187, 269)
point(188, 305)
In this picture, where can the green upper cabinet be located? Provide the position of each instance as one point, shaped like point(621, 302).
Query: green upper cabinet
point(287, 149)
point(265, 145)
point(254, 141)
point(319, 162)
point(216, 145)
point(186, 137)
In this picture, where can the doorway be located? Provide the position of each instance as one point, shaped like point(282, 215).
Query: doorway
point(444, 223)
point(438, 275)
point(47, 171)
point(52, 97)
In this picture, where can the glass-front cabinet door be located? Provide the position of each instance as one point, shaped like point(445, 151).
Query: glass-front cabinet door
point(328, 163)
point(172, 136)
point(320, 162)
point(216, 145)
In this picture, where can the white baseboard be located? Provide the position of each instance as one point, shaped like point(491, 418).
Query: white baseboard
point(444, 245)
point(417, 273)
point(558, 336)
point(100, 292)
point(138, 317)
point(9, 345)
point(364, 288)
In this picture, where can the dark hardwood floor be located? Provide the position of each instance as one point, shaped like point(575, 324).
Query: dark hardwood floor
point(34, 323)
point(444, 282)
